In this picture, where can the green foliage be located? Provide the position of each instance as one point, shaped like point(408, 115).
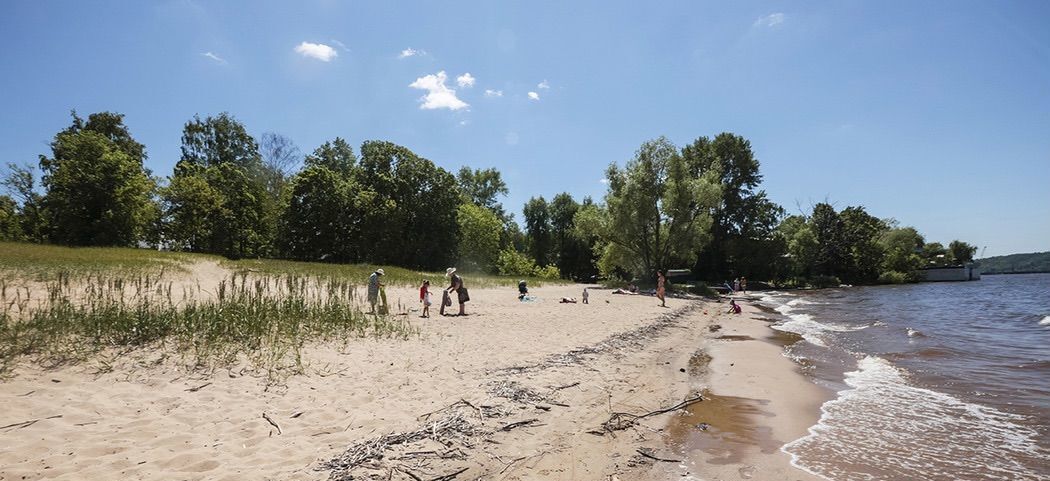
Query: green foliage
point(538, 229)
point(656, 211)
point(961, 253)
point(98, 192)
point(822, 281)
point(860, 238)
point(479, 230)
point(419, 228)
point(744, 220)
point(902, 246)
point(895, 277)
point(515, 264)
point(49, 262)
point(10, 227)
point(336, 156)
point(482, 187)
point(20, 182)
point(217, 200)
point(1016, 263)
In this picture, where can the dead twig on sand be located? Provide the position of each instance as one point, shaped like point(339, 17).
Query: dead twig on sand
point(651, 456)
point(26, 424)
point(273, 423)
point(198, 388)
point(527, 422)
point(449, 476)
point(619, 421)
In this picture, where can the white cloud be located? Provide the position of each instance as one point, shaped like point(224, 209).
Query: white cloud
point(770, 20)
point(318, 51)
point(534, 96)
point(215, 57)
point(465, 80)
point(438, 96)
point(410, 52)
point(493, 93)
point(603, 180)
point(543, 85)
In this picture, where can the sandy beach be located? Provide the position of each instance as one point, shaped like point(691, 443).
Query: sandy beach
point(534, 390)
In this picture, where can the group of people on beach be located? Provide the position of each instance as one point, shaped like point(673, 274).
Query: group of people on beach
point(375, 293)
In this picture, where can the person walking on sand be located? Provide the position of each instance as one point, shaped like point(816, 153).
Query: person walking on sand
point(457, 286)
point(424, 297)
point(660, 292)
point(373, 289)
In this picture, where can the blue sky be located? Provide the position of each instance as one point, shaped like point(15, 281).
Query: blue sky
point(936, 113)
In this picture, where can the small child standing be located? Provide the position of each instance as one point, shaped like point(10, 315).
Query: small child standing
point(586, 295)
point(424, 297)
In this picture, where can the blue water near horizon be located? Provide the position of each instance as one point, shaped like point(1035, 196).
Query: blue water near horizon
point(934, 381)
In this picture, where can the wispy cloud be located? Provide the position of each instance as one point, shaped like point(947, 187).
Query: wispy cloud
point(770, 20)
point(493, 93)
point(214, 57)
point(465, 80)
point(534, 96)
point(318, 51)
point(603, 180)
point(341, 45)
point(411, 52)
point(543, 85)
point(438, 96)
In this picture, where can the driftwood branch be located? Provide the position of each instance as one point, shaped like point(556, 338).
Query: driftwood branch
point(449, 476)
point(198, 388)
point(527, 422)
point(26, 424)
point(272, 423)
point(650, 456)
point(618, 421)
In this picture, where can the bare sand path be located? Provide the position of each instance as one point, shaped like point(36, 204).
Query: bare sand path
point(537, 381)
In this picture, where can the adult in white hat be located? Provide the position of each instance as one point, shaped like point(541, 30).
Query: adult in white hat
point(373, 288)
point(456, 284)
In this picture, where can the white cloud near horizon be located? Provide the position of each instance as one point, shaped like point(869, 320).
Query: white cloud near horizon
point(543, 84)
point(534, 96)
point(410, 52)
point(318, 51)
point(215, 58)
point(770, 20)
point(466, 80)
point(438, 96)
point(493, 93)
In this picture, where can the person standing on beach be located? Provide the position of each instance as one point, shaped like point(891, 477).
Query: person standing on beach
point(660, 288)
point(736, 285)
point(743, 285)
point(457, 285)
point(424, 297)
point(373, 289)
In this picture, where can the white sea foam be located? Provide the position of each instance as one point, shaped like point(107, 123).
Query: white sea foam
point(1045, 321)
point(884, 428)
point(796, 302)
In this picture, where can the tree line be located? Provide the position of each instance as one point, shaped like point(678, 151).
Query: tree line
point(698, 207)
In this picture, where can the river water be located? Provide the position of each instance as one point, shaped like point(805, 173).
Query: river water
point(934, 381)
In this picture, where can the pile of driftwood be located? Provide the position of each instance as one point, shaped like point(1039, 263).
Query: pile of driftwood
point(449, 430)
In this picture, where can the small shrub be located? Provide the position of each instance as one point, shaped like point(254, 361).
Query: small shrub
point(894, 277)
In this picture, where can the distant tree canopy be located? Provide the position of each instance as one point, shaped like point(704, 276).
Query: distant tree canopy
point(230, 194)
point(97, 191)
point(1016, 263)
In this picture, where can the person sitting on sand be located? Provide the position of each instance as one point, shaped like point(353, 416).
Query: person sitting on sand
point(373, 289)
point(568, 300)
point(586, 295)
point(457, 285)
point(734, 308)
point(424, 297)
point(523, 289)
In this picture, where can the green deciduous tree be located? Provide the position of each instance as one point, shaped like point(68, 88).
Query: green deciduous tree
point(656, 211)
point(239, 214)
point(10, 227)
point(20, 183)
point(483, 187)
point(743, 220)
point(902, 246)
point(97, 191)
point(538, 230)
point(961, 253)
point(420, 229)
point(479, 230)
point(860, 237)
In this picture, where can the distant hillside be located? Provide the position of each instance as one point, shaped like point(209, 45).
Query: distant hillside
point(1016, 263)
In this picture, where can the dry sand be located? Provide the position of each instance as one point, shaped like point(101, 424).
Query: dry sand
point(565, 367)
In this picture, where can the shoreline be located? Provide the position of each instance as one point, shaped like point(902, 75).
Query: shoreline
point(534, 382)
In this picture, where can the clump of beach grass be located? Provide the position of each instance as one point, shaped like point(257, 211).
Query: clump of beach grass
point(43, 262)
point(267, 319)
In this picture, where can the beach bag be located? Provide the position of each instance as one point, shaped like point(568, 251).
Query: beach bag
point(446, 299)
